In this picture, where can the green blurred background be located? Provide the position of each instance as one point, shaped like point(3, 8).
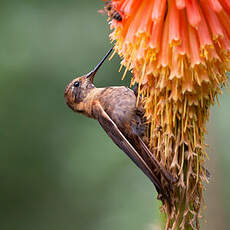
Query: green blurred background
point(58, 169)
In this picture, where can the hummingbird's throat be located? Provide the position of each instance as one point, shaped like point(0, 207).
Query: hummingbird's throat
point(88, 104)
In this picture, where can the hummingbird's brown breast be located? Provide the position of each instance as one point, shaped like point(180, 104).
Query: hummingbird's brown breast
point(88, 103)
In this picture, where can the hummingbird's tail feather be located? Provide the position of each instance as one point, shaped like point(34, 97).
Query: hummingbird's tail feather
point(167, 175)
point(160, 172)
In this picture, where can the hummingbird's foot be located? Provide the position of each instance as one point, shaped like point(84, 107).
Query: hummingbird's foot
point(164, 198)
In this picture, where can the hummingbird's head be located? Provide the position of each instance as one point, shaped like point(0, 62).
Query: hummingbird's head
point(78, 89)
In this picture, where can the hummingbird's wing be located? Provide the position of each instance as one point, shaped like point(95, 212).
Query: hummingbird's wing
point(119, 139)
point(139, 128)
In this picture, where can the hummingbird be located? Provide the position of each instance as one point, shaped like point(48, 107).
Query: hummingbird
point(116, 110)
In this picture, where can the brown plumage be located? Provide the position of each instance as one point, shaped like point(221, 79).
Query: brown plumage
point(116, 111)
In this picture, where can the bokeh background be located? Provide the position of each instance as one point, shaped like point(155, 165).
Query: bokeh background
point(58, 169)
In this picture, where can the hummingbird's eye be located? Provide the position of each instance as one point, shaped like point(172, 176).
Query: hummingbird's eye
point(76, 83)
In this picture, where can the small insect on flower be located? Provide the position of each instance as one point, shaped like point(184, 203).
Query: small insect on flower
point(111, 11)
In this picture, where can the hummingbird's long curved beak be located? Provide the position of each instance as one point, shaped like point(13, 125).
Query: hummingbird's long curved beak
point(92, 73)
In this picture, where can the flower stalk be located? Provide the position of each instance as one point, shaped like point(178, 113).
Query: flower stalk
point(179, 53)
